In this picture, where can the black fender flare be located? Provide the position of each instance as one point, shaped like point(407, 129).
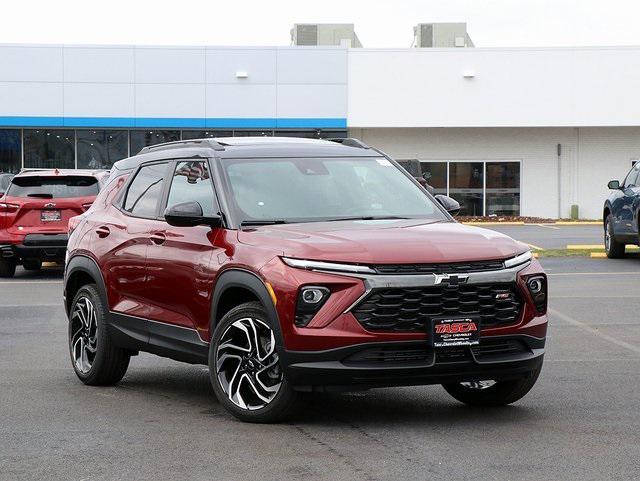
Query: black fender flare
point(83, 263)
point(247, 280)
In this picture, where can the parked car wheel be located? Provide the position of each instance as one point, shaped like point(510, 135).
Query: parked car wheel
point(493, 393)
point(95, 359)
point(614, 249)
point(244, 367)
point(32, 265)
point(7, 267)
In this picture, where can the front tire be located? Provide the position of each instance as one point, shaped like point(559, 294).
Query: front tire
point(7, 268)
point(244, 367)
point(95, 359)
point(493, 393)
point(614, 249)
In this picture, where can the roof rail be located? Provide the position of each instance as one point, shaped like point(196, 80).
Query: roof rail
point(182, 143)
point(350, 142)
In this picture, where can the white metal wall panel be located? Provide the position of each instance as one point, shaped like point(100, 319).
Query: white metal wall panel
point(31, 63)
point(31, 99)
point(159, 100)
point(510, 88)
point(98, 100)
point(169, 65)
point(312, 65)
point(224, 63)
point(99, 64)
point(244, 101)
point(312, 101)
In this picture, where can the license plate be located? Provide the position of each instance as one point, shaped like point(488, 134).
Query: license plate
point(50, 215)
point(448, 332)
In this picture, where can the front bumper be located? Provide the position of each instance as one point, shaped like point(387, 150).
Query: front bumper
point(46, 247)
point(409, 363)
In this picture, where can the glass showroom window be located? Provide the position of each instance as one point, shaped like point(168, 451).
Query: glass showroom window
point(466, 181)
point(435, 173)
point(503, 188)
point(482, 187)
point(144, 138)
point(10, 158)
point(49, 148)
point(99, 149)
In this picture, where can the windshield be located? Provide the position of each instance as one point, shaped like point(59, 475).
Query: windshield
point(53, 187)
point(303, 189)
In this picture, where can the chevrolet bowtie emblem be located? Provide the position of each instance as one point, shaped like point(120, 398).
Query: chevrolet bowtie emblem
point(451, 279)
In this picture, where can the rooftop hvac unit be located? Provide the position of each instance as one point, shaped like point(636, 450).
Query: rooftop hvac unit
point(441, 35)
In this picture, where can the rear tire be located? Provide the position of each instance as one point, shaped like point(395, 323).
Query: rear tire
point(499, 393)
point(614, 249)
point(95, 359)
point(32, 265)
point(7, 267)
point(244, 367)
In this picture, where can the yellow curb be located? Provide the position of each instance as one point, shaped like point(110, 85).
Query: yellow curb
point(579, 247)
point(521, 222)
point(579, 222)
point(598, 255)
point(535, 247)
point(49, 264)
point(535, 255)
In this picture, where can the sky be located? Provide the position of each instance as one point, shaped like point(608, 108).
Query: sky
point(379, 24)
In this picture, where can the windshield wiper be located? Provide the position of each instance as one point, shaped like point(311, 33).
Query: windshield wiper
point(262, 222)
point(367, 217)
point(41, 195)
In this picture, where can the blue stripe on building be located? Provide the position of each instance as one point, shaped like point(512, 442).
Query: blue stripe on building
point(177, 122)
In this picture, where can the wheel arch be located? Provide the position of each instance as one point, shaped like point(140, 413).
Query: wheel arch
point(238, 286)
point(605, 213)
point(82, 270)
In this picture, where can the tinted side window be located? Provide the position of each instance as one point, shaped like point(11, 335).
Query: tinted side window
point(191, 183)
point(145, 191)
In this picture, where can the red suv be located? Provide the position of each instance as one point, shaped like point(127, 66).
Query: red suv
point(35, 212)
point(291, 265)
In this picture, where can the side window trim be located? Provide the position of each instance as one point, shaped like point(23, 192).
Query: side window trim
point(125, 191)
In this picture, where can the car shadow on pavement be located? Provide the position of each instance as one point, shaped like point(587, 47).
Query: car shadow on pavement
point(428, 405)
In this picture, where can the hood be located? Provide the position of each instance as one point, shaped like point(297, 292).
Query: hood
point(384, 242)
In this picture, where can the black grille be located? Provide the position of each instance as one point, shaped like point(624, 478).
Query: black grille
point(410, 309)
point(413, 354)
point(465, 267)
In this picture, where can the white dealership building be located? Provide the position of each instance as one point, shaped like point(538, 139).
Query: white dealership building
point(528, 131)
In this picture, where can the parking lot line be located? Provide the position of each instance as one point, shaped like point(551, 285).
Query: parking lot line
point(561, 274)
point(547, 226)
point(30, 282)
point(594, 331)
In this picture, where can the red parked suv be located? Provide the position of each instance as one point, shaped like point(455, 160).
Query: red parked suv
point(35, 213)
point(291, 265)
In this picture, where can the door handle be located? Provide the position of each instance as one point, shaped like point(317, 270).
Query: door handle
point(103, 231)
point(158, 238)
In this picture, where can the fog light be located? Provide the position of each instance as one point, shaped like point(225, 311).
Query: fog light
point(313, 295)
point(537, 286)
point(310, 300)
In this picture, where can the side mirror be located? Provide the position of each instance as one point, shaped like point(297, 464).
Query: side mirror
point(189, 214)
point(614, 184)
point(452, 206)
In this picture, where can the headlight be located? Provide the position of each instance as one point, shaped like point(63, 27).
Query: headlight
point(310, 300)
point(518, 260)
point(326, 266)
point(537, 286)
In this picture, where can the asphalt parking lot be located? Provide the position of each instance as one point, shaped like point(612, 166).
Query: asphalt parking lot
point(581, 421)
